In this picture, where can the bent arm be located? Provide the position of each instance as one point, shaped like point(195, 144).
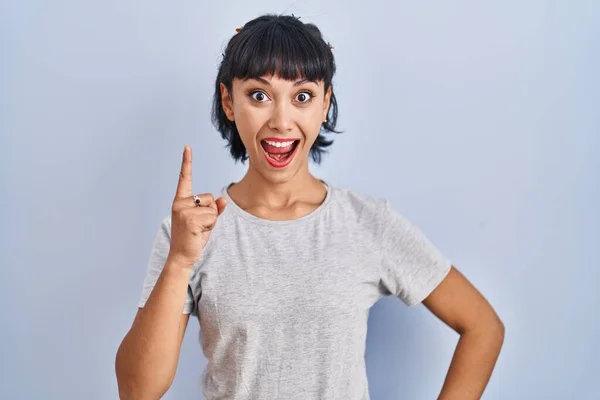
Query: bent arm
point(460, 306)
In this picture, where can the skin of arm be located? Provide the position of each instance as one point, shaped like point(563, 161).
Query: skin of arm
point(458, 304)
point(147, 358)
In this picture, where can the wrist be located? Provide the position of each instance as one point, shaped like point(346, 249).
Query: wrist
point(178, 262)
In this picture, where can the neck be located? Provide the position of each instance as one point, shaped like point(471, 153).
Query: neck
point(259, 191)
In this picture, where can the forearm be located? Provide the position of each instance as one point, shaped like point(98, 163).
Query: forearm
point(472, 364)
point(147, 358)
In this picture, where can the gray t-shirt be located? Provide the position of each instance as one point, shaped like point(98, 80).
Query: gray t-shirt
point(283, 305)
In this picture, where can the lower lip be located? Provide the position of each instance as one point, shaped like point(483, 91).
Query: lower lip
point(283, 163)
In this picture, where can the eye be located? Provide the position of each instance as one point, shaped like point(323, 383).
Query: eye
point(304, 97)
point(259, 96)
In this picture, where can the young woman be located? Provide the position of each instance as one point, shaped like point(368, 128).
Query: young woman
point(282, 269)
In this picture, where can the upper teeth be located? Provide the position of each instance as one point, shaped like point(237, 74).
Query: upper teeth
point(280, 144)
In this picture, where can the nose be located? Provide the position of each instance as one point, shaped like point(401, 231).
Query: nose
point(281, 118)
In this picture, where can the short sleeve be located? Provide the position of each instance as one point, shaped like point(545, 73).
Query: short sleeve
point(412, 267)
point(158, 258)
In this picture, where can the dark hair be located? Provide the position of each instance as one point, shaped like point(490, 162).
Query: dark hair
point(275, 45)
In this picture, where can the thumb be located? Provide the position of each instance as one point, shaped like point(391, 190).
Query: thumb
point(221, 203)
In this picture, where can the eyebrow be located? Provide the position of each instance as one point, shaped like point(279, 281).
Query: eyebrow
point(297, 83)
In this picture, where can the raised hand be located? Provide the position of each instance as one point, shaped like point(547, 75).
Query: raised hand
point(192, 216)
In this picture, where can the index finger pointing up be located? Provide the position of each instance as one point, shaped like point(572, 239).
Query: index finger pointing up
point(184, 186)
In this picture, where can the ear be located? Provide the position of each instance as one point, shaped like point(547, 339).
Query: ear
point(226, 102)
point(327, 103)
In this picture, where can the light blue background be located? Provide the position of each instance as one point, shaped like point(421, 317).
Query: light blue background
point(480, 122)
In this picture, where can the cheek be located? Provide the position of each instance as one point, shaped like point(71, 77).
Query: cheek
point(248, 121)
point(310, 124)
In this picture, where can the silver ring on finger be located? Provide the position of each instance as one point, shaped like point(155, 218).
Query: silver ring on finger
point(197, 200)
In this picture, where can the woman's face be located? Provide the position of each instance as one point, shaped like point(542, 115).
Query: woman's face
point(278, 121)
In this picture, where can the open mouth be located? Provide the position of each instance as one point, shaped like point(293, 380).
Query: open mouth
point(279, 153)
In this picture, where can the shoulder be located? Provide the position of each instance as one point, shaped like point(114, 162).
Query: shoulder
point(369, 211)
point(356, 201)
point(163, 231)
point(165, 224)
